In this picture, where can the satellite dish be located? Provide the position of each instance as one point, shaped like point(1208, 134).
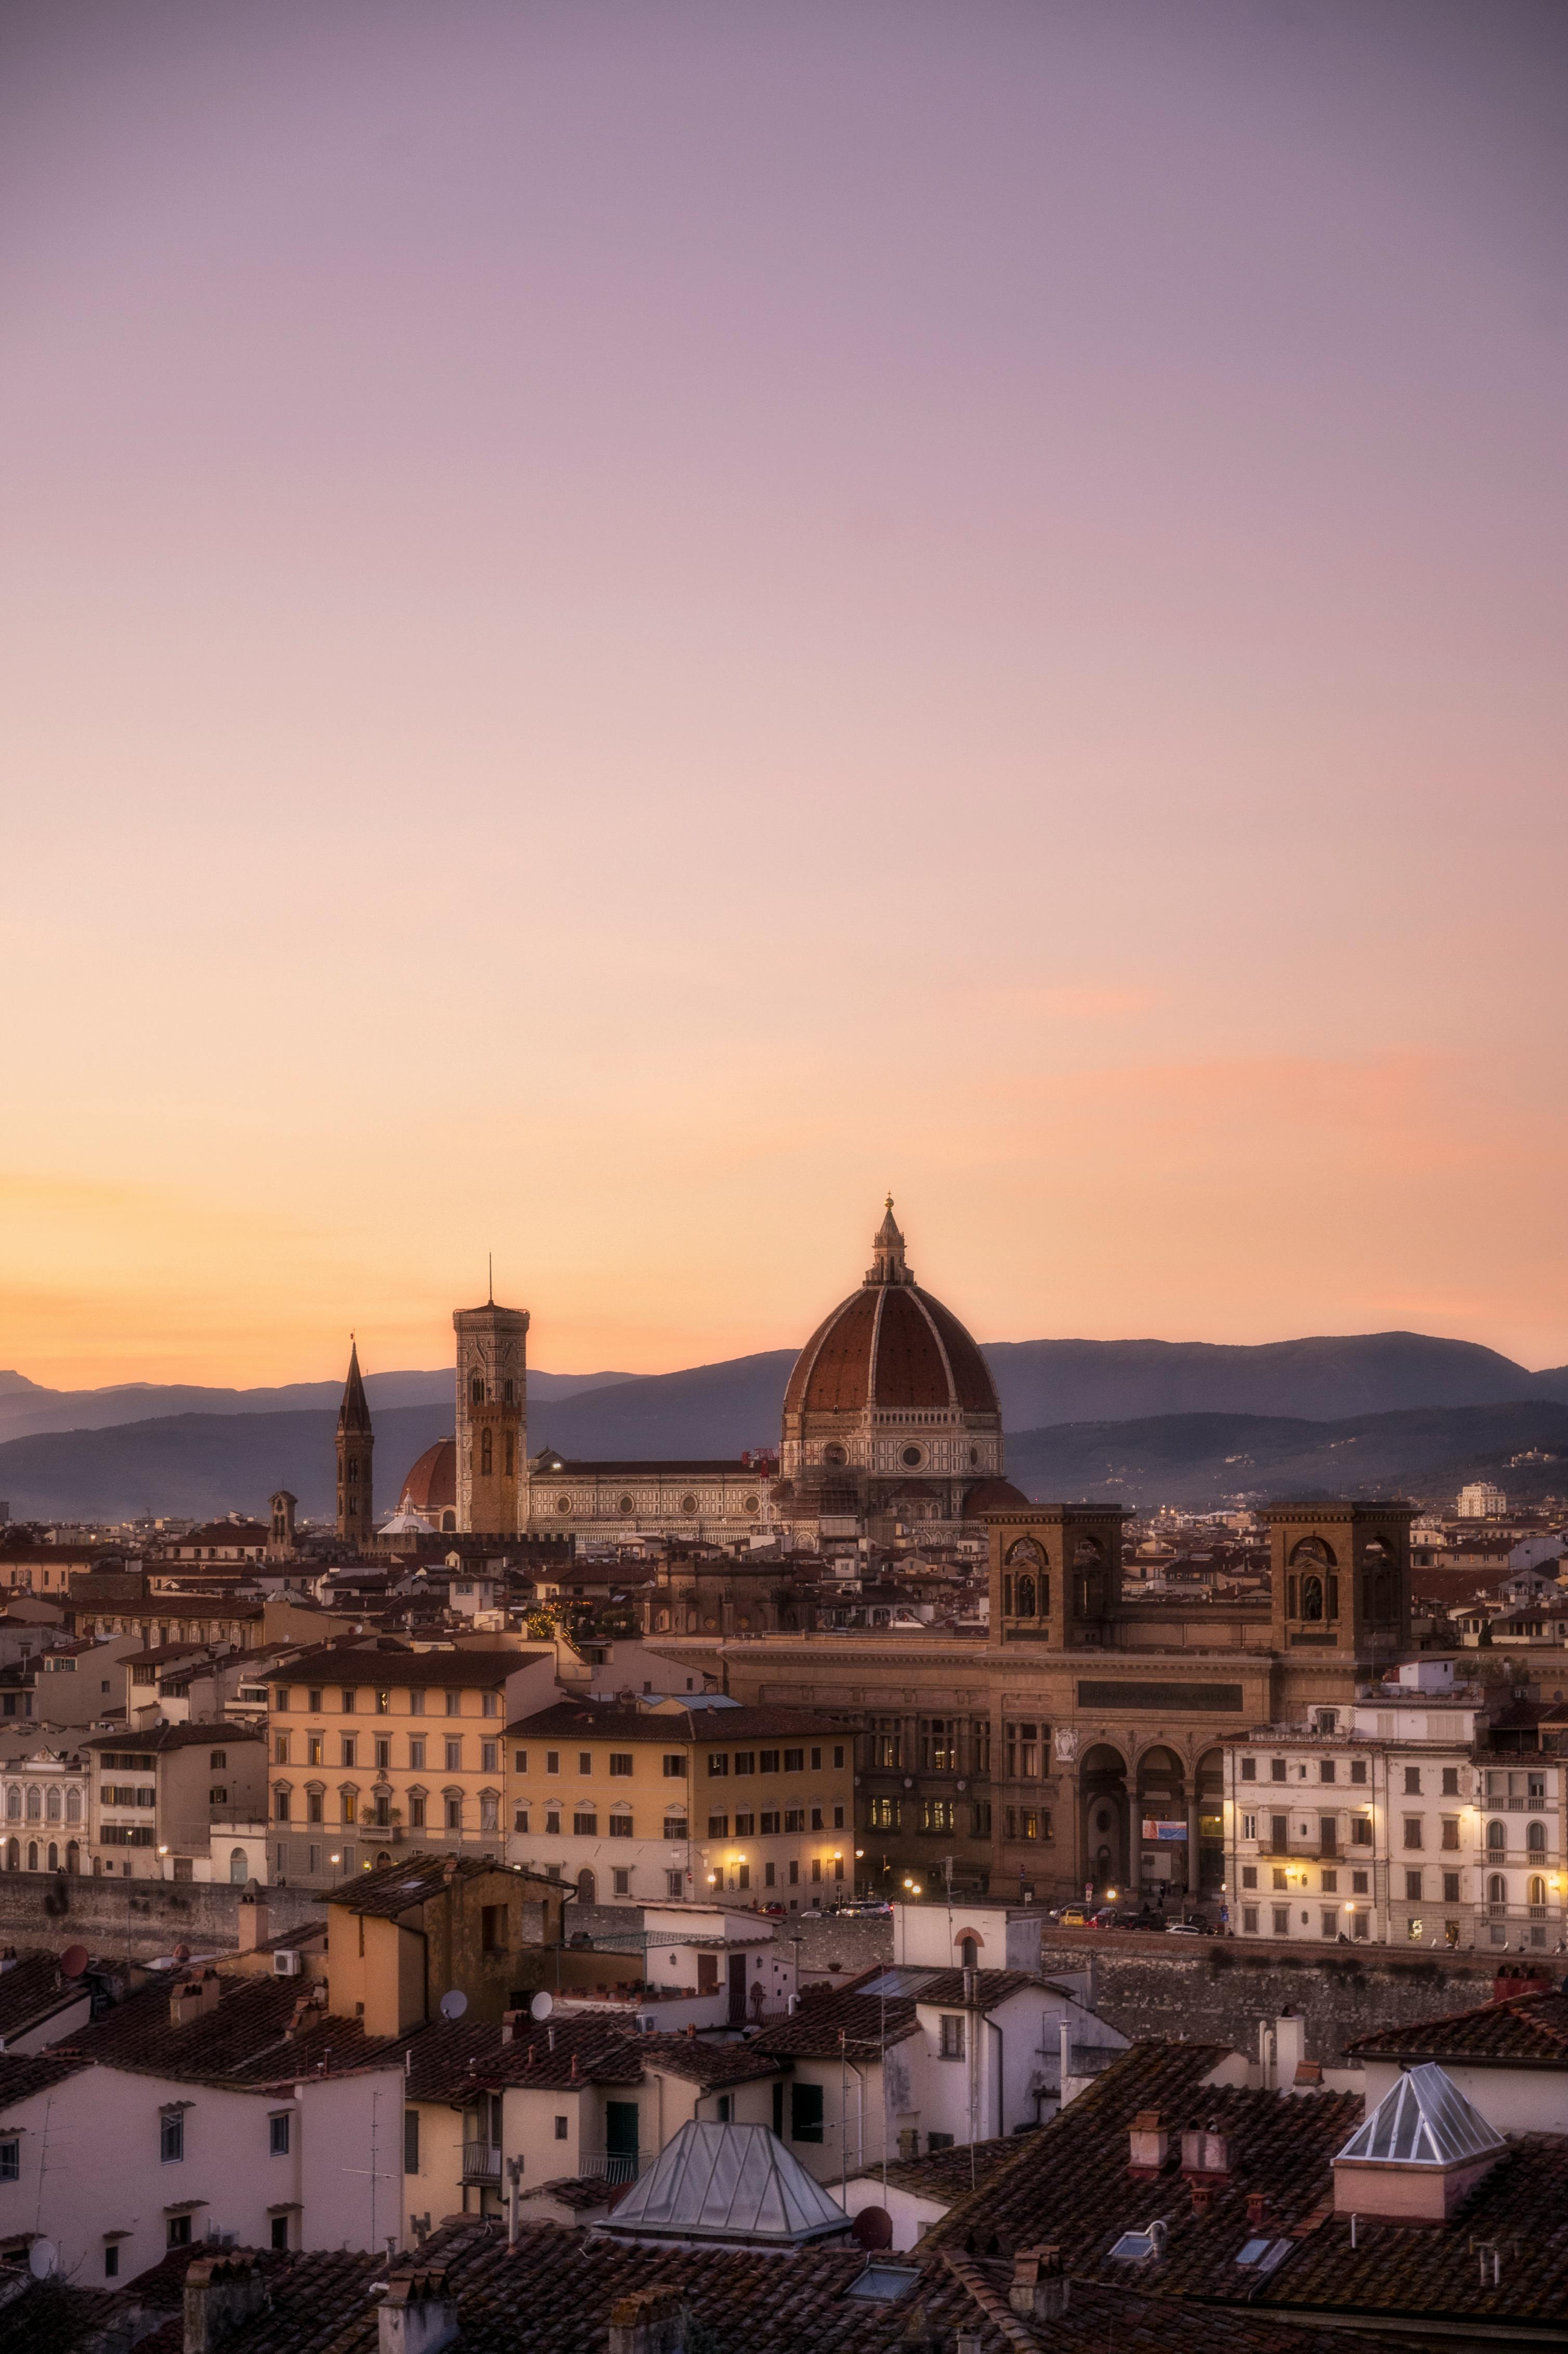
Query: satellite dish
point(454, 2002)
point(73, 1961)
point(43, 2258)
point(542, 2006)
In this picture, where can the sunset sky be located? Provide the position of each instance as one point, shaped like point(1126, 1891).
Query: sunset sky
point(625, 626)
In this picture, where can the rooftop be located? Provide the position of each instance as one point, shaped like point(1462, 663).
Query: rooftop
point(735, 2183)
point(1528, 2030)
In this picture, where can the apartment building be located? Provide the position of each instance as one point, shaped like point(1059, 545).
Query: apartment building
point(155, 1793)
point(666, 1801)
point(1392, 1820)
point(45, 1798)
point(367, 1748)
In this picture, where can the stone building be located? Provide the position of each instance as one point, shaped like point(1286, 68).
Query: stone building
point(1079, 1745)
point(355, 1448)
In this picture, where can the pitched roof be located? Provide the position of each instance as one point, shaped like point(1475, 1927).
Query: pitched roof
point(730, 2183)
point(867, 2024)
point(243, 2042)
point(705, 2063)
point(1527, 2030)
point(556, 2291)
point(449, 2060)
point(157, 1738)
point(567, 1719)
point(395, 1667)
point(397, 1887)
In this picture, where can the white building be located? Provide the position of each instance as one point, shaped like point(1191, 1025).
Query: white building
point(45, 1807)
point(1382, 1821)
point(1480, 1500)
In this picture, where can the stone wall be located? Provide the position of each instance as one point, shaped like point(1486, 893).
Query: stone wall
point(1216, 1990)
point(138, 1919)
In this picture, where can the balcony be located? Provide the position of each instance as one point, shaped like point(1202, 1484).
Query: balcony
point(481, 2163)
point(610, 2165)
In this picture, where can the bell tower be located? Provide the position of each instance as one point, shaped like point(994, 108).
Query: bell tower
point(1055, 1572)
point(491, 1419)
point(355, 1447)
point(1340, 1575)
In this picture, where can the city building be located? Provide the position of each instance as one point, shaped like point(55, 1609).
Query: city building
point(1076, 1743)
point(371, 1747)
point(155, 1793)
point(1479, 1499)
point(643, 1804)
point(1393, 1820)
point(45, 1798)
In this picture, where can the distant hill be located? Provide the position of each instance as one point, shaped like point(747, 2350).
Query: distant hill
point(27, 1406)
point(1204, 1460)
point(1042, 1381)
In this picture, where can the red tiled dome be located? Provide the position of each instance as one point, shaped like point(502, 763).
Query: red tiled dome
point(890, 1346)
point(431, 1485)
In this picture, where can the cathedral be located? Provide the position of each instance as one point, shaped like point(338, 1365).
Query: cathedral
point(890, 1424)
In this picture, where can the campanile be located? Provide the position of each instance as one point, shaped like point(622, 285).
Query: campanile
point(491, 1419)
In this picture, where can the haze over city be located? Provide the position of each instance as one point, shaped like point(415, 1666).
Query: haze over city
point(625, 628)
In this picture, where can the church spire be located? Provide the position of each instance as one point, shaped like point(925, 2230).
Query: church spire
point(353, 1414)
point(887, 1260)
point(355, 1450)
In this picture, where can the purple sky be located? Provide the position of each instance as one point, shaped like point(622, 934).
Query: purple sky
point(623, 627)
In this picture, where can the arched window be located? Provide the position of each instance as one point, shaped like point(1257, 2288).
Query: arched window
point(52, 1808)
point(13, 1856)
point(1024, 1554)
point(476, 1390)
point(35, 1803)
point(968, 1954)
point(13, 1803)
point(1025, 1597)
point(486, 1452)
point(237, 1875)
point(1535, 1838)
point(1497, 1889)
point(54, 1857)
point(32, 1855)
point(586, 1886)
point(73, 1856)
point(1537, 1890)
point(1497, 1836)
point(73, 1806)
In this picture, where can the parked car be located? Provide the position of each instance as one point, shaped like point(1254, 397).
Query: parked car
point(1189, 1928)
point(864, 1905)
point(1075, 1916)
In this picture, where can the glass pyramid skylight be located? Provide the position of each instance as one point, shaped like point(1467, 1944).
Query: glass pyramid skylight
point(730, 2183)
point(1423, 2120)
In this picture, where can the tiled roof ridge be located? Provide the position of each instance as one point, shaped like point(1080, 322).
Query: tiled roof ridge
point(1520, 2007)
point(995, 2307)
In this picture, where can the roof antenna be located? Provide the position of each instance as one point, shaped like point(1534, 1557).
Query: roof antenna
point(490, 1263)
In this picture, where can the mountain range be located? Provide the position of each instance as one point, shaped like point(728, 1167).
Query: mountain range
point(1147, 1421)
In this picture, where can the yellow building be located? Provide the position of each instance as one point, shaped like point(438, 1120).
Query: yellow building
point(660, 1802)
point(401, 1939)
point(370, 1748)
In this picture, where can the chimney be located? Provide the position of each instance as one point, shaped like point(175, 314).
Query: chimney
point(253, 1918)
point(195, 1997)
point(1040, 2286)
point(649, 2321)
point(509, 2019)
point(1205, 2151)
point(1511, 1982)
point(221, 2292)
point(1149, 2143)
point(417, 2316)
point(1289, 2046)
point(1256, 2209)
point(908, 2142)
point(1203, 2197)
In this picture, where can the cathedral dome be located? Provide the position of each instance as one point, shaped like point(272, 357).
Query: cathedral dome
point(432, 1486)
point(890, 1348)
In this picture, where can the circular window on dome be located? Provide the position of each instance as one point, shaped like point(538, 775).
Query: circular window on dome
point(974, 1457)
point(913, 1456)
point(751, 1504)
point(623, 1503)
point(834, 1454)
point(563, 1503)
point(688, 1503)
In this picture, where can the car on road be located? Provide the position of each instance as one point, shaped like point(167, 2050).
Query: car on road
point(1075, 1916)
point(1188, 1929)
